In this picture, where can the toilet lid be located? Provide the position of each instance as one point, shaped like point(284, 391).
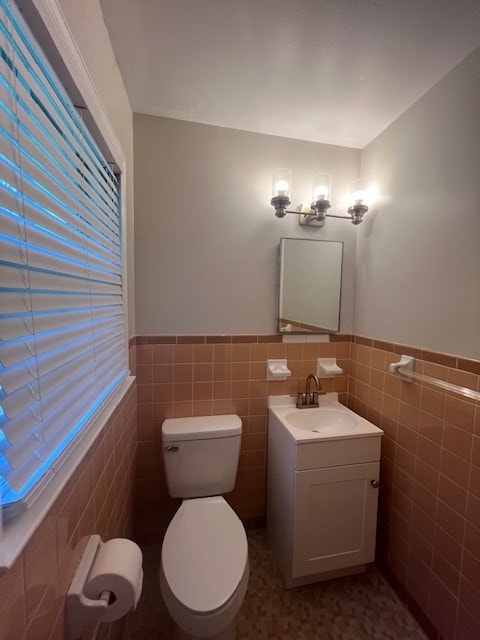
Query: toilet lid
point(204, 553)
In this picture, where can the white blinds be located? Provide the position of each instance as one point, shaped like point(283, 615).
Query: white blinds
point(62, 337)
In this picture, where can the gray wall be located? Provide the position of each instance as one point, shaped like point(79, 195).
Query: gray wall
point(206, 237)
point(418, 253)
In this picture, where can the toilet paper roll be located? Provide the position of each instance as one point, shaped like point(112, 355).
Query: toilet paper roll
point(117, 568)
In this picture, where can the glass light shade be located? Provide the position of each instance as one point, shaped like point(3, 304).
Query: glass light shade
point(322, 187)
point(281, 183)
point(360, 193)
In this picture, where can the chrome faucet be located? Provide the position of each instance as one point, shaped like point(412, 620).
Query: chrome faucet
point(309, 399)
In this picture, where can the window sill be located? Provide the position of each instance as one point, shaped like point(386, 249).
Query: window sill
point(18, 530)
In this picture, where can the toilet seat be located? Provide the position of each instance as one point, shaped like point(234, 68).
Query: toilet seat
point(204, 570)
point(204, 553)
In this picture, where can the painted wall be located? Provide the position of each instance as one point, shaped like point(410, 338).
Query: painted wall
point(418, 254)
point(206, 237)
point(88, 28)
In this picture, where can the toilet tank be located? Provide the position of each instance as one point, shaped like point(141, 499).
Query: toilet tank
point(200, 455)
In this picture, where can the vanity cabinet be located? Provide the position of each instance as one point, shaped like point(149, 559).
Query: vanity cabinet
point(321, 504)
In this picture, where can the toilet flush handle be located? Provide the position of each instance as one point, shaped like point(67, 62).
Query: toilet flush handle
point(172, 448)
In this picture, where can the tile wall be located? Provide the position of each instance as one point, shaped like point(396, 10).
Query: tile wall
point(205, 375)
point(429, 511)
point(97, 499)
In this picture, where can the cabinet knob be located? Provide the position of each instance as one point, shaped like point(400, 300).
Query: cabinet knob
point(374, 483)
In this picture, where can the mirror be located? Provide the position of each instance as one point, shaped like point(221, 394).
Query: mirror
point(310, 285)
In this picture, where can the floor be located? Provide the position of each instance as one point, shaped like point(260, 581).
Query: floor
point(354, 608)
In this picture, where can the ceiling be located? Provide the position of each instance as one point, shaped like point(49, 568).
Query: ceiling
point(331, 71)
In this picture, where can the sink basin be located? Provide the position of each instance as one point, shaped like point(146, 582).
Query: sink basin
point(325, 421)
point(330, 421)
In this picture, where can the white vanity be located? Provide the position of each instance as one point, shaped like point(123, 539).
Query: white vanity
point(322, 491)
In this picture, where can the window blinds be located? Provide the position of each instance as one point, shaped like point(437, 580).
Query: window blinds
point(62, 336)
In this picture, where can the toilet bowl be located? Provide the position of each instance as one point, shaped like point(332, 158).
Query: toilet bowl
point(204, 568)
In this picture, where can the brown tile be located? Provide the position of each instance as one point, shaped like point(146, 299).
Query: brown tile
point(442, 604)
point(451, 521)
point(182, 372)
point(240, 371)
point(40, 581)
point(463, 378)
point(454, 468)
point(181, 392)
point(474, 483)
point(276, 337)
point(202, 353)
point(391, 406)
point(161, 373)
point(403, 349)
point(472, 540)
point(452, 494)
point(203, 372)
point(162, 392)
point(183, 353)
point(342, 350)
point(144, 373)
point(430, 427)
point(459, 413)
point(202, 391)
point(340, 337)
point(384, 346)
point(409, 415)
point(368, 342)
point(469, 365)
point(240, 389)
point(439, 358)
point(244, 339)
point(377, 379)
point(240, 353)
point(162, 354)
point(426, 475)
point(183, 409)
point(258, 352)
point(428, 451)
point(202, 407)
point(190, 339)
point(218, 339)
point(222, 390)
point(144, 354)
point(411, 393)
point(433, 402)
point(425, 500)
point(435, 370)
point(161, 339)
point(457, 441)
point(448, 546)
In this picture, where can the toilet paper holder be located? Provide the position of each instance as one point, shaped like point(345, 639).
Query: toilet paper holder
point(82, 610)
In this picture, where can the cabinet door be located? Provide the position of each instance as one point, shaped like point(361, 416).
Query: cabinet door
point(334, 518)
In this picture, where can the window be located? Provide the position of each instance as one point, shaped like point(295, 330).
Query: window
point(62, 331)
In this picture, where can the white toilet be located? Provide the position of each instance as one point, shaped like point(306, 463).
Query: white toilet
point(204, 570)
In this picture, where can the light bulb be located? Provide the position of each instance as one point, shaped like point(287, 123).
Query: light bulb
point(281, 188)
point(281, 183)
point(357, 197)
point(321, 188)
point(321, 192)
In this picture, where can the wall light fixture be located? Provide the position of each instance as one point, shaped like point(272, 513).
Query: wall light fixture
point(359, 201)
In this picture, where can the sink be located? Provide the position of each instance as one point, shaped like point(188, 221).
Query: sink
point(326, 421)
point(330, 421)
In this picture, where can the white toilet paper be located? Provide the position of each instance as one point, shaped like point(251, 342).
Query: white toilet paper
point(117, 568)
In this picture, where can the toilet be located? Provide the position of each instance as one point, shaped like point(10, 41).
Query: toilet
point(204, 569)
